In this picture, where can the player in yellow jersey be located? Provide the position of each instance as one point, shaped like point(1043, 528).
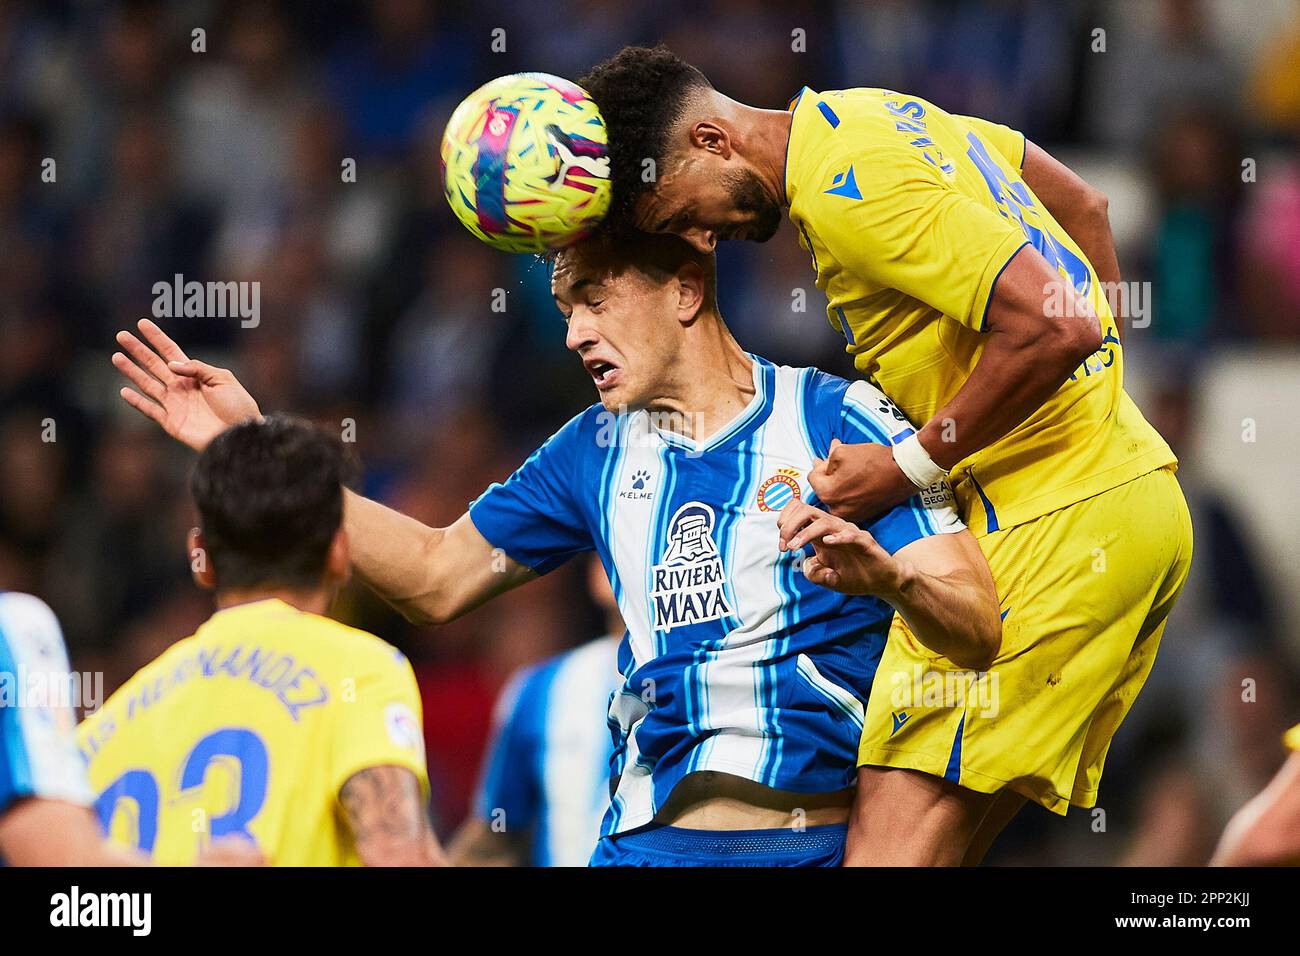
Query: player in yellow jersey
point(966, 269)
point(1266, 831)
point(272, 722)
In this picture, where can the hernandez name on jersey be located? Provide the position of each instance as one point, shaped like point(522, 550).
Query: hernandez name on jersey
point(732, 661)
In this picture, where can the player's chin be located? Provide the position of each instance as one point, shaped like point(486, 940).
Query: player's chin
point(613, 399)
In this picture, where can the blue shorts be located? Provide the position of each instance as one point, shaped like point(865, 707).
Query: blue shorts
point(675, 846)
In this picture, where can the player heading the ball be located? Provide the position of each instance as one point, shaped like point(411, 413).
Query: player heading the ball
point(745, 676)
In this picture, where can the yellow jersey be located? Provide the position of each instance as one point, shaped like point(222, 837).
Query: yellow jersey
point(251, 726)
point(910, 215)
point(1292, 738)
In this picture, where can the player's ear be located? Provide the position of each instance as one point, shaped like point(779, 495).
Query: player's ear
point(200, 561)
point(711, 137)
point(338, 560)
point(690, 291)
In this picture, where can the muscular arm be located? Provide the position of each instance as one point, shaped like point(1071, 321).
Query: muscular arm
point(384, 810)
point(430, 575)
point(1266, 831)
point(945, 593)
point(941, 584)
point(1029, 352)
point(1081, 209)
point(40, 832)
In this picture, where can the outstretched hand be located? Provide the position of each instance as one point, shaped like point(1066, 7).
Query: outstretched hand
point(845, 558)
point(192, 401)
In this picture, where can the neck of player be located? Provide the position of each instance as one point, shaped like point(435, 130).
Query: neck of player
point(760, 136)
point(310, 600)
point(710, 382)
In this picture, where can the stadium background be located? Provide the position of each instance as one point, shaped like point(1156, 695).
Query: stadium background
point(376, 308)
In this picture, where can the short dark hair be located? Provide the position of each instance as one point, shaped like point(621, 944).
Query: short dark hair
point(641, 92)
point(657, 255)
point(270, 500)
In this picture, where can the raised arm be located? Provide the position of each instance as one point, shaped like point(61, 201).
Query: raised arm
point(1028, 353)
point(430, 575)
point(940, 584)
point(979, 265)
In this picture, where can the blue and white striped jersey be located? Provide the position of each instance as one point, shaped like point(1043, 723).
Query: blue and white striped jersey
point(38, 744)
point(733, 661)
point(548, 767)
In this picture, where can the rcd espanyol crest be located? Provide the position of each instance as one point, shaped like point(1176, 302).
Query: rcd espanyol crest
point(779, 490)
point(690, 585)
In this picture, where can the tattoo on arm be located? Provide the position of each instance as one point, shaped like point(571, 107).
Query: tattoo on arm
point(384, 808)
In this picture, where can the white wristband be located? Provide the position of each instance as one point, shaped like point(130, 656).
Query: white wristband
point(915, 462)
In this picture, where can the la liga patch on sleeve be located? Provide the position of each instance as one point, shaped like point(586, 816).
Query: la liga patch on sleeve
point(403, 729)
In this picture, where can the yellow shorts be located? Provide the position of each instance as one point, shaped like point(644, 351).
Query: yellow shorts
point(1085, 592)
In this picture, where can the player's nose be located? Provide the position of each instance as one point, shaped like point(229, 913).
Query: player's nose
point(580, 334)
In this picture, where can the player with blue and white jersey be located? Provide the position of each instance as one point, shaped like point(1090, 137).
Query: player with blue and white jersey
point(548, 771)
point(45, 815)
point(744, 673)
point(734, 661)
point(545, 781)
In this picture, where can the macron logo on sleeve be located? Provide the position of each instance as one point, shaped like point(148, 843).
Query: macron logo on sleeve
point(845, 184)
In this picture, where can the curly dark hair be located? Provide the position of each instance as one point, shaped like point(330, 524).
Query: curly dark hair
point(641, 91)
point(270, 500)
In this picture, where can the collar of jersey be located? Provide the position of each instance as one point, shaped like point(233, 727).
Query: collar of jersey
point(794, 112)
point(264, 605)
point(748, 419)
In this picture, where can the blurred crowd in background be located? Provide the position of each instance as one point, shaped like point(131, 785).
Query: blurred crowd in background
point(376, 306)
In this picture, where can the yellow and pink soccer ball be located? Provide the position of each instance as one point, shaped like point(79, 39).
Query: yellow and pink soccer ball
point(525, 163)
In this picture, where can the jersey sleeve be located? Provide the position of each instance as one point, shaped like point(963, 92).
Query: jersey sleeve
point(509, 788)
point(1011, 143)
point(382, 723)
point(915, 232)
point(535, 516)
point(39, 756)
point(868, 415)
point(1292, 738)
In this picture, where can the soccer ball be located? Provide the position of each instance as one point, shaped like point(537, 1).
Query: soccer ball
point(525, 163)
